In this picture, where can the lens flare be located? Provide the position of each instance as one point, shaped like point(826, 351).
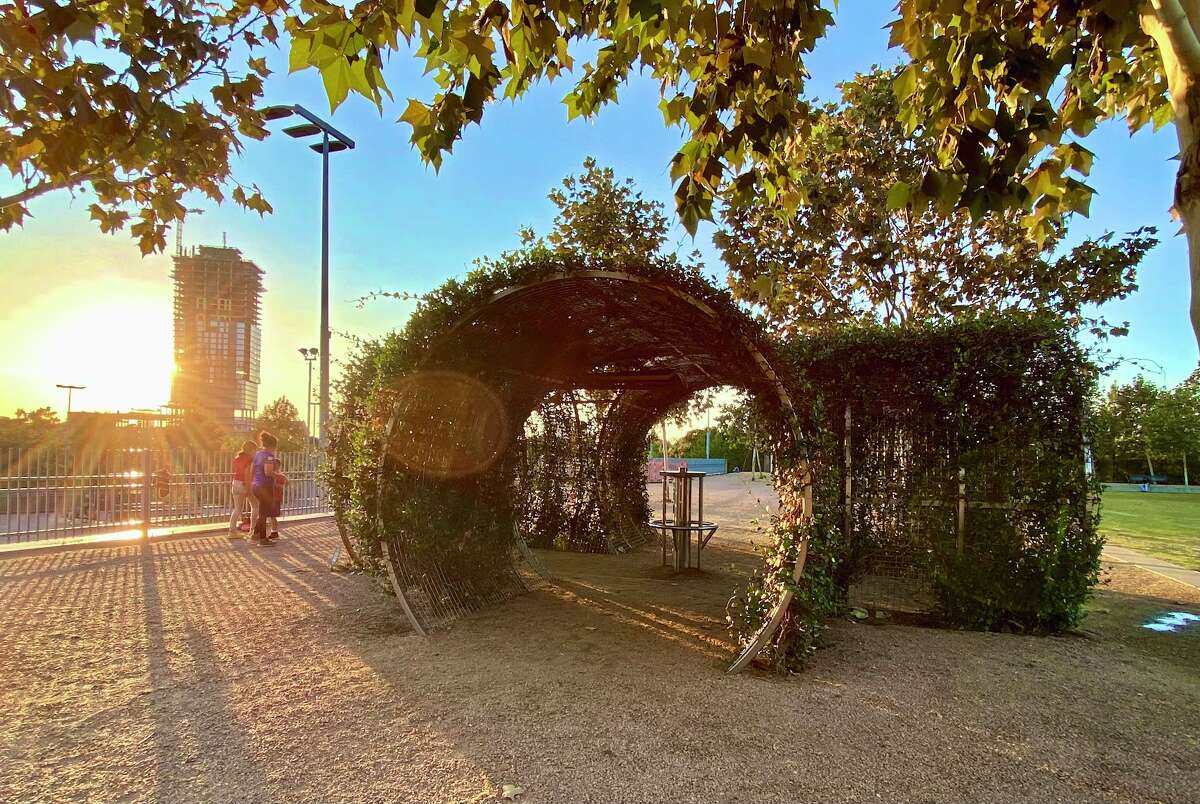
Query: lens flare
point(447, 425)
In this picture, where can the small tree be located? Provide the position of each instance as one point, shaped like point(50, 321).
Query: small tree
point(602, 218)
point(1134, 420)
point(282, 420)
point(1173, 426)
point(30, 428)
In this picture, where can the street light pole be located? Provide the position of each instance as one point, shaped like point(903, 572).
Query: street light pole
point(340, 142)
point(309, 356)
point(69, 389)
point(324, 412)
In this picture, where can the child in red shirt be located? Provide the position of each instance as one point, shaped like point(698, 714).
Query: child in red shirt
point(280, 482)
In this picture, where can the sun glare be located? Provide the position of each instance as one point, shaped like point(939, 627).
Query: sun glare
point(120, 347)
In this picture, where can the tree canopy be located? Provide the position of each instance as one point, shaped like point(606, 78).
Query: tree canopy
point(29, 428)
point(1140, 425)
point(140, 100)
point(1010, 88)
point(282, 420)
point(144, 100)
point(859, 251)
point(604, 218)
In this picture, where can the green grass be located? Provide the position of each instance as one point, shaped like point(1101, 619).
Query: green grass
point(1162, 525)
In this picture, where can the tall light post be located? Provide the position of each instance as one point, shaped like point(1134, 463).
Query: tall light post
point(325, 147)
point(309, 356)
point(69, 389)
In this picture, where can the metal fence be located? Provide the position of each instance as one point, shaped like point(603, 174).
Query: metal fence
point(710, 466)
point(64, 493)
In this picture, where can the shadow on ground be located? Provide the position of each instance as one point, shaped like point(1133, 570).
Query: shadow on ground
point(205, 669)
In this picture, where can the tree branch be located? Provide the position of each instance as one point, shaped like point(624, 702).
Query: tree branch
point(1177, 30)
point(33, 191)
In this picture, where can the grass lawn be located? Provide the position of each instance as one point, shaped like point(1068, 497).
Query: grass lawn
point(1165, 526)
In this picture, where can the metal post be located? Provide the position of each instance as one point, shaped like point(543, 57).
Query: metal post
point(308, 422)
point(69, 389)
point(324, 411)
point(707, 433)
point(961, 534)
point(848, 487)
point(316, 125)
point(147, 467)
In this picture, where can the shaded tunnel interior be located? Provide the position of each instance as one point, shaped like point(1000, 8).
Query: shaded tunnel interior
point(639, 345)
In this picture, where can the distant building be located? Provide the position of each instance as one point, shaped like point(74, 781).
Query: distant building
point(217, 339)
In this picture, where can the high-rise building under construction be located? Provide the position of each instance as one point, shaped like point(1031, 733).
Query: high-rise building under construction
point(217, 338)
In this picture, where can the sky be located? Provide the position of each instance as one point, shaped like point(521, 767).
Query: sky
point(85, 308)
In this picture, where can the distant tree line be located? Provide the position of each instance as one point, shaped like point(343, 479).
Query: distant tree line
point(194, 429)
point(1142, 429)
point(735, 434)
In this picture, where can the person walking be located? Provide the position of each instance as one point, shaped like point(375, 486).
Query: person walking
point(240, 487)
point(263, 468)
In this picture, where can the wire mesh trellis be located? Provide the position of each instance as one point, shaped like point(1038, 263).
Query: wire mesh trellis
point(590, 358)
point(58, 493)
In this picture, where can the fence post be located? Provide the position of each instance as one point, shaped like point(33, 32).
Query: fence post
point(147, 467)
point(848, 511)
point(962, 509)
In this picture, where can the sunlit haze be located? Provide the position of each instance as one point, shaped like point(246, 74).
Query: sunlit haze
point(86, 308)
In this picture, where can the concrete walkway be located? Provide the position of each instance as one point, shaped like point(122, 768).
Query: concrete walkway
point(1126, 556)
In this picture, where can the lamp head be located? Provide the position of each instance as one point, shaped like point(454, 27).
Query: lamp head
point(277, 112)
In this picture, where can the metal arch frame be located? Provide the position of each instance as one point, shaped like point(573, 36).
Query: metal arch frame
point(768, 629)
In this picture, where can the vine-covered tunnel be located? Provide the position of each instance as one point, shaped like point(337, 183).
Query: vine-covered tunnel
point(643, 339)
point(950, 453)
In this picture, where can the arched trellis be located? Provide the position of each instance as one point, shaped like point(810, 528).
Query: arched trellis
point(649, 336)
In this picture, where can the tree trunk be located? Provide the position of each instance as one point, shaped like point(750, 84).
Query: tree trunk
point(1168, 23)
point(1185, 475)
point(1150, 465)
point(1190, 215)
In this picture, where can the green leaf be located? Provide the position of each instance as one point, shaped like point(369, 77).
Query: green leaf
point(905, 84)
point(416, 114)
point(82, 28)
point(898, 195)
point(759, 54)
point(1163, 114)
point(425, 8)
point(298, 57)
point(336, 77)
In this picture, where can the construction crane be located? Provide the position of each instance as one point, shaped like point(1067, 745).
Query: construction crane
point(179, 230)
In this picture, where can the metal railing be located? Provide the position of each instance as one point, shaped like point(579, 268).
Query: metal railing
point(49, 493)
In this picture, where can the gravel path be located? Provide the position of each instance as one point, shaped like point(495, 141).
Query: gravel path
point(203, 669)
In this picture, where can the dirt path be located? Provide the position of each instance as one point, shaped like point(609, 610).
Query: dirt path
point(205, 670)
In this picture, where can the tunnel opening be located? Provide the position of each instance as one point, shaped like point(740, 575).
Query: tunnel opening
point(525, 423)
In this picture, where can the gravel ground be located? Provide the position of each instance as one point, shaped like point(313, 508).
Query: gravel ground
point(203, 669)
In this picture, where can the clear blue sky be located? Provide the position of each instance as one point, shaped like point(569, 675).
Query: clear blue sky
point(399, 226)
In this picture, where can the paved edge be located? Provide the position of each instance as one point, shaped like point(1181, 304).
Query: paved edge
point(1166, 569)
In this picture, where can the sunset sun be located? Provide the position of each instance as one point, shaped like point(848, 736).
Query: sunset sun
point(119, 347)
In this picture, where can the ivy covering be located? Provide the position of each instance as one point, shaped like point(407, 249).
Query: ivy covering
point(517, 404)
point(989, 413)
